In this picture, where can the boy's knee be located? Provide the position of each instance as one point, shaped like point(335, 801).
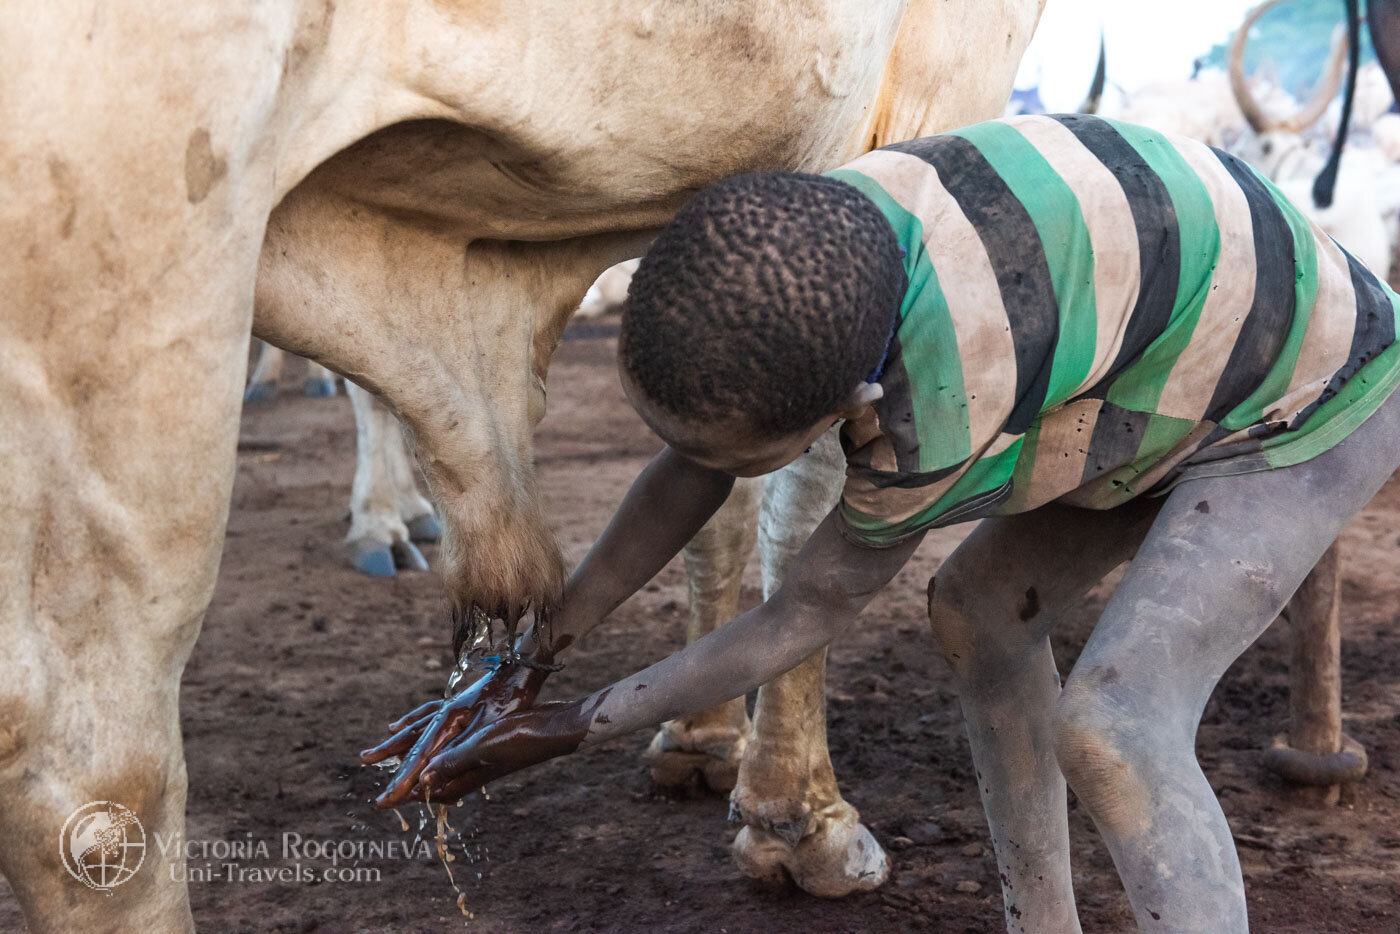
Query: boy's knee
point(972, 629)
point(1104, 753)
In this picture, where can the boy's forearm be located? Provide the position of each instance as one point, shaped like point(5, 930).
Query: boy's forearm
point(835, 581)
point(667, 504)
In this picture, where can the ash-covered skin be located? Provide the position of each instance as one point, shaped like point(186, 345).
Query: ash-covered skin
point(670, 501)
point(1202, 587)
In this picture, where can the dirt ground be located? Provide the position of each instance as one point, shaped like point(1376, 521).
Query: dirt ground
point(302, 661)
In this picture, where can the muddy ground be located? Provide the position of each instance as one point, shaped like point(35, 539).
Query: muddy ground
point(302, 661)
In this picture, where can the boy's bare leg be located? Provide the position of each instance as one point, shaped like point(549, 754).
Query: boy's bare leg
point(796, 822)
point(707, 747)
point(991, 605)
point(1220, 561)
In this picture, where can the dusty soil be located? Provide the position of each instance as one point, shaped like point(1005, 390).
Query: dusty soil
point(302, 661)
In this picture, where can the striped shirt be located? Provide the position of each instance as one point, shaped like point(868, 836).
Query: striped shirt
point(1095, 311)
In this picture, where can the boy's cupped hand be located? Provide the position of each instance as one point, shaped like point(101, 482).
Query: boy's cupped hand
point(427, 735)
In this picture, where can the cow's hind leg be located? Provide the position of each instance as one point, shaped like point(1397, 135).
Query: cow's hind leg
point(796, 822)
point(705, 749)
point(1220, 561)
point(992, 605)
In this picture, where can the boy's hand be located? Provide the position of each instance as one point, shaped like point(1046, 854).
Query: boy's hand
point(503, 746)
point(423, 733)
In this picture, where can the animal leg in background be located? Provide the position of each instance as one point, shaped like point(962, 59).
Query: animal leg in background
point(795, 820)
point(387, 513)
point(992, 605)
point(262, 384)
point(319, 382)
point(1202, 587)
point(1315, 751)
point(708, 746)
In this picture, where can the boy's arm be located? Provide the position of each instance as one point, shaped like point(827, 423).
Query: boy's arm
point(667, 504)
point(829, 583)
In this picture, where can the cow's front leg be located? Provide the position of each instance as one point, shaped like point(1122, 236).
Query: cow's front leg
point(387, 513)
point(795, 820)
point(992, 605)
point(319, 382)
point(706, 748)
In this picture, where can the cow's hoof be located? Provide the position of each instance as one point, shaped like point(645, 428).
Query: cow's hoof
point(261, 391)
point(836, 855)
point(375, 560)
point(408, 557)
point(425, 528)
point(696, 760)
point(318, 388)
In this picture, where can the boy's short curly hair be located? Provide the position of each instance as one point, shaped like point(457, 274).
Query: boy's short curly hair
point(772, 295)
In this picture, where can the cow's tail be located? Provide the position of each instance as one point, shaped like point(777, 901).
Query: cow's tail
point(1326, 184)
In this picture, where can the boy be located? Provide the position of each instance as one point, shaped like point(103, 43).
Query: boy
point(1036, 320)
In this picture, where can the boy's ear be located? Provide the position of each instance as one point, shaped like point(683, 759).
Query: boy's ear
point(860, 399)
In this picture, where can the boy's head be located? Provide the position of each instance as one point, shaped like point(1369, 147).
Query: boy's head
point(757, 316)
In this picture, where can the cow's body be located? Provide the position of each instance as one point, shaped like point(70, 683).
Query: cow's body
point(417, 194)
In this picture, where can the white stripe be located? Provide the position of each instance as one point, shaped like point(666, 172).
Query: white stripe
point(1198, 370)
point(969, 284)
point(1112, 233)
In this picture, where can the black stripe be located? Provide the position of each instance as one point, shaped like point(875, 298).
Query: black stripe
point(1375, 318)
point(1158, 236)
point(895, 410)
point(1117, 435)
point(978, 506)
point(1374, 331)
point(1275, 298)
point(884, 480)
point(1013, 245)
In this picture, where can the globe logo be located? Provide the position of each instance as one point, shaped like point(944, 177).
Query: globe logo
point(102, 845)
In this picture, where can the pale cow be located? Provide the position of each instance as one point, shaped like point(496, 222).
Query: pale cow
point(414, 195)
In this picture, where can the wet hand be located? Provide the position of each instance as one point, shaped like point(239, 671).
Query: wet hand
point(423, 733)
point(500, 747)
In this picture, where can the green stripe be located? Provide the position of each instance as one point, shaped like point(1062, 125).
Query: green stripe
point(1275, 384)
point(1343, 413)
point(1055, 211)
point(1140, 386)
point(927, 340)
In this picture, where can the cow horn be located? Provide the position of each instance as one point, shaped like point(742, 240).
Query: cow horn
point(1095, 98)
point(1244, 95)
point(1327, 87)
point(1239, 83)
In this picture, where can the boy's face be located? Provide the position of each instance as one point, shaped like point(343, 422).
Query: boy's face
point(732, 446)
